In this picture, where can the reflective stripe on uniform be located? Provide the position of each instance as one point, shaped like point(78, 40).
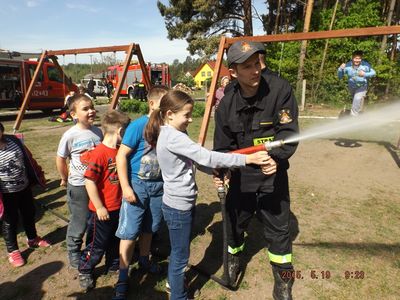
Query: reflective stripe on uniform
point(235, 250)
point(280, 259)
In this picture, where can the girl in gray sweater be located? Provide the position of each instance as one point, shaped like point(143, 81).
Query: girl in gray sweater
point(176, 154)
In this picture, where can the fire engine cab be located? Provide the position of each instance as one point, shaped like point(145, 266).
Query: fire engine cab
point(159, 74)
point(16, 72)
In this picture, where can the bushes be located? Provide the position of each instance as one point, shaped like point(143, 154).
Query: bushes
point(198, 109)
point(135, 106)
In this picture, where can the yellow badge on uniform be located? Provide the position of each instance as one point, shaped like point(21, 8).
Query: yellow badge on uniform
point(284, 116)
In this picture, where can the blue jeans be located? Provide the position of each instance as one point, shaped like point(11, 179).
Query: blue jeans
point(180, 227)
point(358, 95)
point(144, 215)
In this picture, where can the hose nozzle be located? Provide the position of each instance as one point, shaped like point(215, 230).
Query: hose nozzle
point(269, 145)
point(274, 144)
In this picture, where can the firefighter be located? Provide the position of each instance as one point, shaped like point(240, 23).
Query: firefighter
point(141, 91)
point(90, 88)
point(258, 109)
point(110, 88)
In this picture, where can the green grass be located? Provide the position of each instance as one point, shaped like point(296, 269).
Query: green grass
point(198, 94)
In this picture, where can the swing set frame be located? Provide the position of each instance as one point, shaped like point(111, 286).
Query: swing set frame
point(226, 42)
point(130, 50)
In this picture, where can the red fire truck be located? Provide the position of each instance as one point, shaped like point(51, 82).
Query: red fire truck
point(159, 74)
point(16, 73)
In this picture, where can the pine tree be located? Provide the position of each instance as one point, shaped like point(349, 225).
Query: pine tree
point(201, 22)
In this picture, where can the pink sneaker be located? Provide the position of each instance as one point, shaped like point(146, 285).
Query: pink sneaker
point(38, 242)
point(15, 258)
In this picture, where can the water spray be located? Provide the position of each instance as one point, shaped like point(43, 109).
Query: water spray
point(366, 121)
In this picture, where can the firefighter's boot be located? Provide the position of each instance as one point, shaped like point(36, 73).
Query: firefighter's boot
point(233, 268)
point(282, 286)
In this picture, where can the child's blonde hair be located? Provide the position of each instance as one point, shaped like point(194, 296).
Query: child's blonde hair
point(156, 92)
point(174, 101)
point(113, 120)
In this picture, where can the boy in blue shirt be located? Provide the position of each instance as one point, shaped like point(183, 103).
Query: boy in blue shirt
point(142, 189)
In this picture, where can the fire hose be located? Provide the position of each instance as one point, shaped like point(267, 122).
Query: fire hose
point(226, 281)
point(267, 146)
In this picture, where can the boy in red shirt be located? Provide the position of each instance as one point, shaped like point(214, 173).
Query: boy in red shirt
point(105, 194)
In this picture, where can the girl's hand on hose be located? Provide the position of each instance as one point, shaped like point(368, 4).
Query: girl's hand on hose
point(217, 178)
point(258, 158)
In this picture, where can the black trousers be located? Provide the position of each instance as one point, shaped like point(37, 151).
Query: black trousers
point(100, 239)
point(14, 203)
point(273, 211)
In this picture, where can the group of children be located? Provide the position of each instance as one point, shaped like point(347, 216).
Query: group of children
point(155, 180)
point(114, 209)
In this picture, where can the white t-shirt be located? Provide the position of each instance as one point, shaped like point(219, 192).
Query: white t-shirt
point(73, 143)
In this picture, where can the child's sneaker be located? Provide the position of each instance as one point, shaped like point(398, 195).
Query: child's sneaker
point(38, 242)
point(74, 259)
point(190, 294)
point(86, 281)
point(121, 290)
point(15, 258)
point(147, 266)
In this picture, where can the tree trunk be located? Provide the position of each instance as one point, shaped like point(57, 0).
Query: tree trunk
point(321, 69)
point(270, 22)
point(345, 6)
point(247, 18)
point(303, 49)
point(392, 58)
point(389, 22)
point(278, 14)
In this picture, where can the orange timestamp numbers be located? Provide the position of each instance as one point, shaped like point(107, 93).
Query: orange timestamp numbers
point(320, 274)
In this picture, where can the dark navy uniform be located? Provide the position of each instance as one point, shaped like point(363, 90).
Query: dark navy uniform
point(243, 122)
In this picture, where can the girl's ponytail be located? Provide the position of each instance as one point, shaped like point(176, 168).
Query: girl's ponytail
point(152, 130)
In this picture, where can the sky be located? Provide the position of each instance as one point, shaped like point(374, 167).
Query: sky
point(36, 25)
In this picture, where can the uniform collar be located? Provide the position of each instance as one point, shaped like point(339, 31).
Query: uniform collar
point(262, 91)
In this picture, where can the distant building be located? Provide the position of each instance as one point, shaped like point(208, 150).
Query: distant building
point(205, 71)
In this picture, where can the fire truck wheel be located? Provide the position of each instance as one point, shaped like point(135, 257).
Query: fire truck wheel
point(130, 93)
point(47, 111)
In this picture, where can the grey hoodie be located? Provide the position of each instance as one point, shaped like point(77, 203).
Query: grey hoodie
point(176, 153)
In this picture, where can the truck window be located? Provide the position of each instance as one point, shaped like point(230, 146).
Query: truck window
point(156, 77)
point(10, 82)
point(32, 69)
point(54, 74)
